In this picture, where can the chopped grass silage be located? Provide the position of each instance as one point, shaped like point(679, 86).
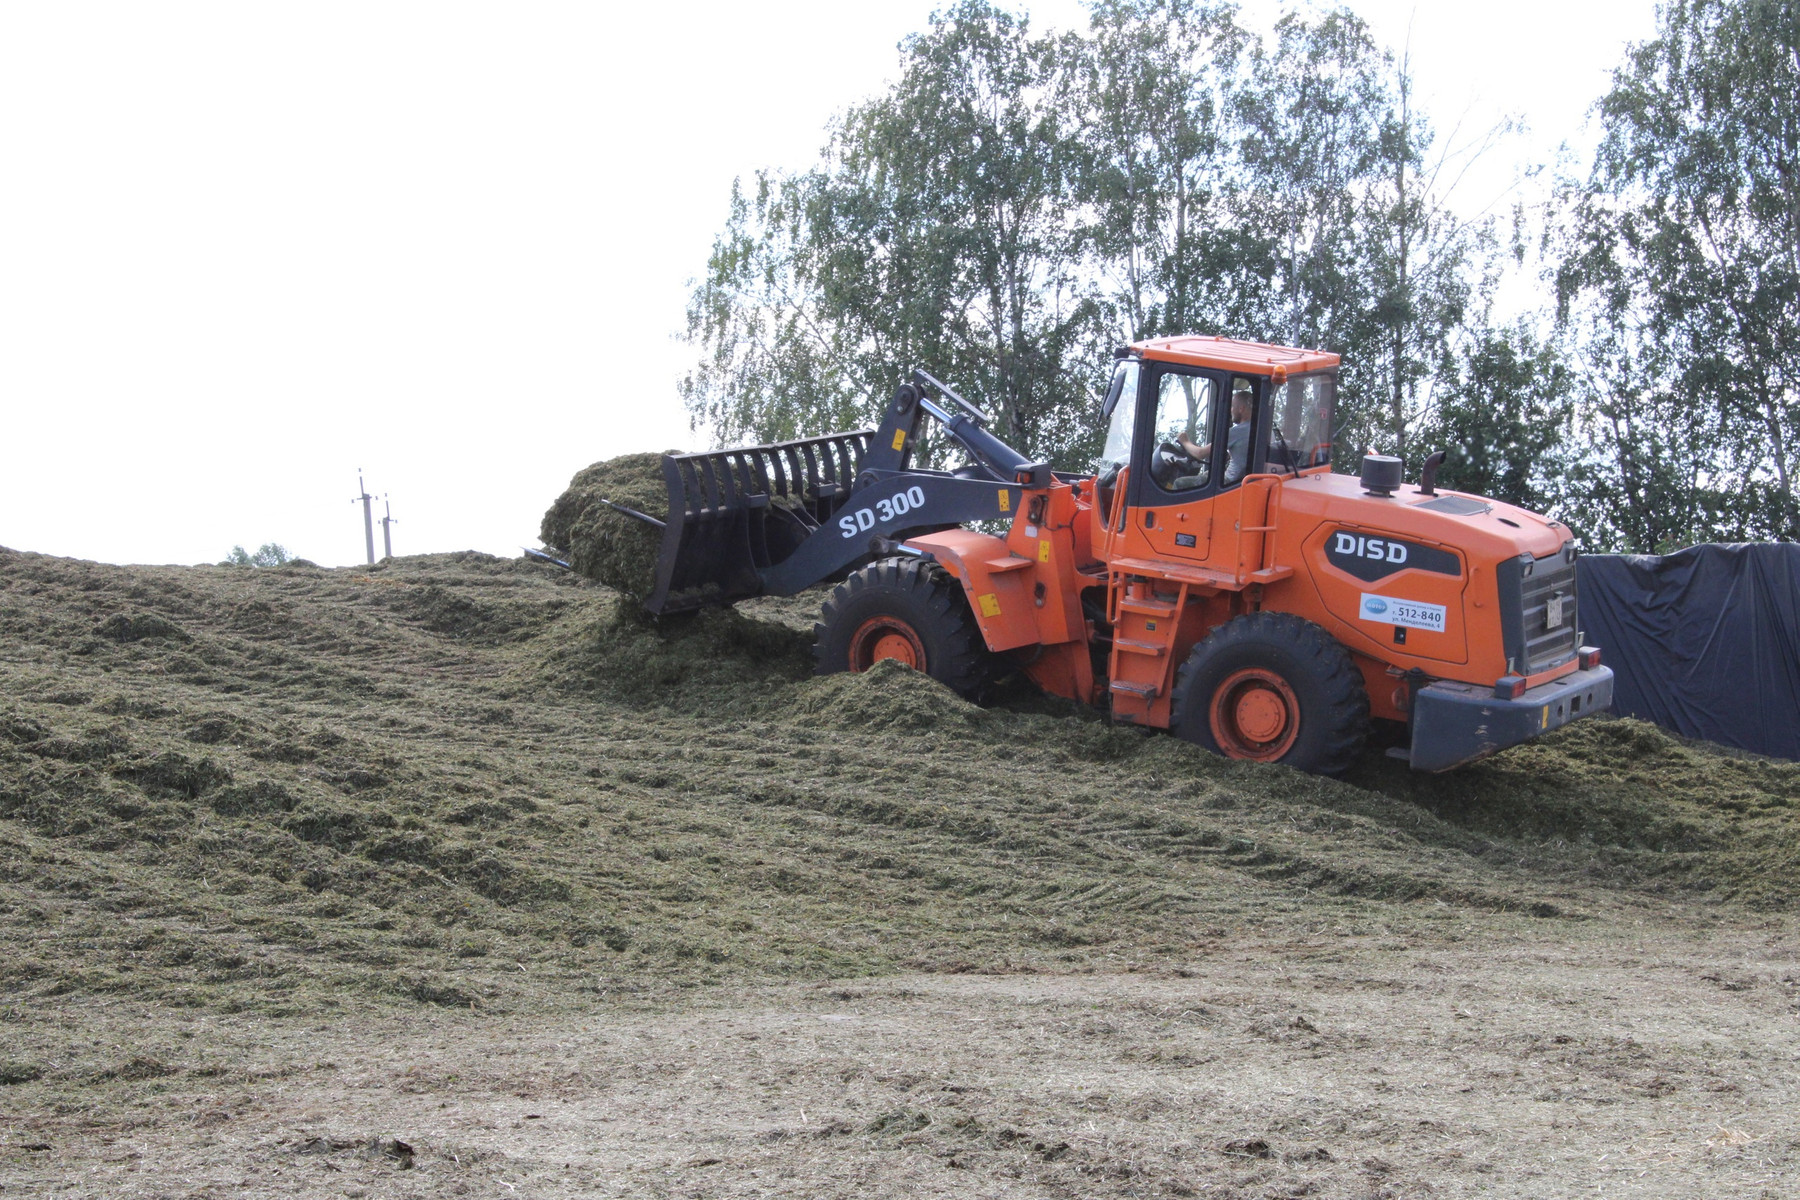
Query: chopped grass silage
point(1653, 810)
point(602, 543)
point(472, 781)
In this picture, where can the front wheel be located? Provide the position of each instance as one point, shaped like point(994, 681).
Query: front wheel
point(1273, 687)
point(910, 611)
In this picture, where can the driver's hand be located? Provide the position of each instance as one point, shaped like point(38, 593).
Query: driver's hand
point(1194, 451)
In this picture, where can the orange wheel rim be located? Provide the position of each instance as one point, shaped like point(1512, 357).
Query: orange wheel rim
point(881, 638)
point(1255, 715)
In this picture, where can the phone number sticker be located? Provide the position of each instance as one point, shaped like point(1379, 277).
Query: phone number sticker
point(1411, 613)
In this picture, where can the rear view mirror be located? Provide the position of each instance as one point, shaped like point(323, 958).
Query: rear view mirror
point(1113, 392)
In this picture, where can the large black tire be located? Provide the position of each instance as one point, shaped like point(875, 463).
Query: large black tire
point(1273, 687)
point(907, 610)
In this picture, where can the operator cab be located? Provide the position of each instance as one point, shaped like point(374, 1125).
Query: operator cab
point(1194, 417)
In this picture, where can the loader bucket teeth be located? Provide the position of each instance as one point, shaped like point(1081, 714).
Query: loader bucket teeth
point(735, 513)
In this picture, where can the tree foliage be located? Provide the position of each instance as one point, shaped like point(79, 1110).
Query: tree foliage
point(1680, 280)
point(1160, 185)
point(269, 554)
point(937, 232)
point(1503, 414)
point(1016, 203)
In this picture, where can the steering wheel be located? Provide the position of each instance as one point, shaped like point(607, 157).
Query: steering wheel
point(1169, 460)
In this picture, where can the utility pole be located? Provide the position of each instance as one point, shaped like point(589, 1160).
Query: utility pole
point(387, 523)
point(368, 516)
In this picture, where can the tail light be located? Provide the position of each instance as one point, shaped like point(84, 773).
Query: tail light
point(1510, 687)
point(1588, 657)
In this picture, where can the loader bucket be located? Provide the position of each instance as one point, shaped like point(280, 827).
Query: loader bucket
point(735, 513)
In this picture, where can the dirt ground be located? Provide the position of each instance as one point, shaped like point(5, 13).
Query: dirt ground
point(452, 878)
point(1511, 1063)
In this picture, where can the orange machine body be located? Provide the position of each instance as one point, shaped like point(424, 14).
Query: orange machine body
point(1104, 606)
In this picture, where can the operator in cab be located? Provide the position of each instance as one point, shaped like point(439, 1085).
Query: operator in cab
point(1237, 438)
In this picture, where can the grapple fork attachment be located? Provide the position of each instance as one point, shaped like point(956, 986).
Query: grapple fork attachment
point(735, 513)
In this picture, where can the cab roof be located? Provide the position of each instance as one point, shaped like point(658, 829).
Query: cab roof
point(1231, 354)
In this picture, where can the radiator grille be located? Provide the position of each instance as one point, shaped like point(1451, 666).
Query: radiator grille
point(1545, 586)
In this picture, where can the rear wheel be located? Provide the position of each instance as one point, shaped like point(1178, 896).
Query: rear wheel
point(909, 611)
point(1272, 687)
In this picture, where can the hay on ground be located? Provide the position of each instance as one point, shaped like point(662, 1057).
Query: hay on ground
point(402, 784)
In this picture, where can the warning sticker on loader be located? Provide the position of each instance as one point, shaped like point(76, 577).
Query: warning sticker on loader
point(1414, 614)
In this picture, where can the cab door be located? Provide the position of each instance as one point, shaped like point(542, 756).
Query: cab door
point(1181, 461)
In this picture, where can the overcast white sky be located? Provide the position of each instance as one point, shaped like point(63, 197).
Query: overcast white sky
point(247, 248)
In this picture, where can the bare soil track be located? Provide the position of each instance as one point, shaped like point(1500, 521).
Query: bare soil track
point(452, 877)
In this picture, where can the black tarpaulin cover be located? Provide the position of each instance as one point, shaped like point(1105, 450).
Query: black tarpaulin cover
point(1705, 642)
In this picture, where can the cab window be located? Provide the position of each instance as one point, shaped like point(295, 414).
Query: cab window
point(1241, 416)
point(1300, 433)
point(1186, 414)
point(1120, 408)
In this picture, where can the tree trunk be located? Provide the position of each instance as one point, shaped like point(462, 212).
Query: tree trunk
point(1403, 308)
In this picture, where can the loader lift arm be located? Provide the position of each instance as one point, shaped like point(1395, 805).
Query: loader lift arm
point(991, 458)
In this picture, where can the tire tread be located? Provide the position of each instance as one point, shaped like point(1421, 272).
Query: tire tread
point(1345, 699)
point(965, 666)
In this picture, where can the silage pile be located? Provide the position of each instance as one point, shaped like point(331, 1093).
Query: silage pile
point(601, 542)
point(287, 787)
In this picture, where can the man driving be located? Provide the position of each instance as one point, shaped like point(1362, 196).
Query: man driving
point(1237, 439)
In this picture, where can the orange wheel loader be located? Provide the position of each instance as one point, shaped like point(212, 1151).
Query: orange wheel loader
point(1212, 577)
